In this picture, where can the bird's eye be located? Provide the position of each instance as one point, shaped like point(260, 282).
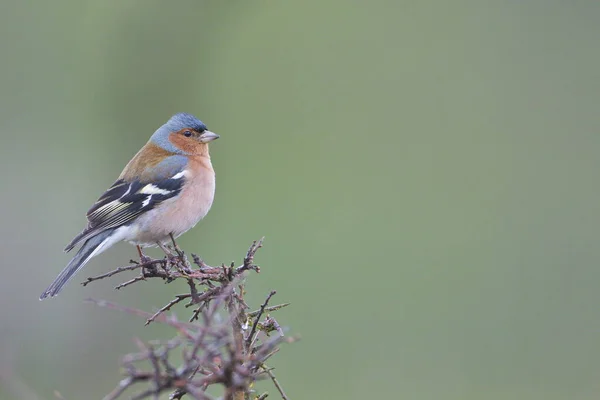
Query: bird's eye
point(187, 133)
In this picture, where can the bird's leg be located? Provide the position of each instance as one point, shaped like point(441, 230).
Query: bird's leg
point(177, 249)
point(185, 265)
point(164, 248)
point(172, 258)
point(143, 258)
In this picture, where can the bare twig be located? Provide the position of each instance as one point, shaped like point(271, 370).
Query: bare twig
point(168, 306)
point(130, 282)
point(214, 350)
point(121, 269)
point(267, 309)
point(250, 337)
point(276, 383)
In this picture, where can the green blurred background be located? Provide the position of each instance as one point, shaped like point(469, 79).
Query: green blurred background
point(425, 174)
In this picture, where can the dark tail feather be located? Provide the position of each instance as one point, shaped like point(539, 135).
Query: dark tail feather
point(85, 253)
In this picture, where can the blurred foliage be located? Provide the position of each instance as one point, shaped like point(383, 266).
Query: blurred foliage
point(424, 174)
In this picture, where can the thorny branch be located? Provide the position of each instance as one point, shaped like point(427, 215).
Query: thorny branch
point(222, 344)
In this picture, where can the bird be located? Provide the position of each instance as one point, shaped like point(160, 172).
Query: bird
point(164, 191)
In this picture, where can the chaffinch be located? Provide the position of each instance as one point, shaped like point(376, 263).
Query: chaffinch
point(164, 191)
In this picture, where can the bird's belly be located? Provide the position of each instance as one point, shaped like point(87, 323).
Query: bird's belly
point(174, 216)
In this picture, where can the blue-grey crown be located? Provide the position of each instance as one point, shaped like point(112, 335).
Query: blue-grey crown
point(183, 120)
point(176, 123)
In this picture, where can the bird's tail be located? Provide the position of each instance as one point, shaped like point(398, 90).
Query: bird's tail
point(90, 248)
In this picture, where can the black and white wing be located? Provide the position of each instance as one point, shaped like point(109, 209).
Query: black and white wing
point(124, 201)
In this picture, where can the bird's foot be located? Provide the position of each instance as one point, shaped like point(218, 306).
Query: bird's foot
point(144, 259)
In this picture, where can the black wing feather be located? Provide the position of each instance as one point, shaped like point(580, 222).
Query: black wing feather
point(123, 202)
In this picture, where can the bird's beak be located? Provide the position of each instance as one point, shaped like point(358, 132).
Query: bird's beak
point(208, 136)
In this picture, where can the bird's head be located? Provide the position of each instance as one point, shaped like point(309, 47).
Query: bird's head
point(183, 134)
